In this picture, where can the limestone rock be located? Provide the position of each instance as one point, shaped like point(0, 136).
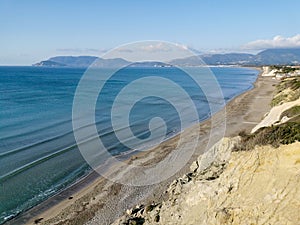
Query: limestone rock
point(224, 187)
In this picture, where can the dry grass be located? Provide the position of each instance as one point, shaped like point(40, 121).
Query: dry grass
point(287, 90)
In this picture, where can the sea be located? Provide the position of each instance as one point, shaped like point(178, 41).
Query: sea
point(39, 155)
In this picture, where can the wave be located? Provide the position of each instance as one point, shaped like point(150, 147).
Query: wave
point(34, 163)
point(61, 184)
point(28, 147)
point(43, 141)
point(52, 125)
point(87, 138)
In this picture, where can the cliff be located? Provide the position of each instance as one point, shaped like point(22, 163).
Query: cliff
point(249, 179)
point(260, 186)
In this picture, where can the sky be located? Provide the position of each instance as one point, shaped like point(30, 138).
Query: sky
point(34, 30)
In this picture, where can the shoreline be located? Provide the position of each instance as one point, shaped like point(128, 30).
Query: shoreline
point(87, 185)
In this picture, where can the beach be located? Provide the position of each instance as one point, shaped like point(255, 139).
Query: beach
point(101, 201)
point(146, 113)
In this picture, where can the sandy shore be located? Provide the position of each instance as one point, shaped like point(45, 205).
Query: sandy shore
point(101, 201)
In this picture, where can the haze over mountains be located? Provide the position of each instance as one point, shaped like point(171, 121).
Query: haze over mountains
point(281, 56)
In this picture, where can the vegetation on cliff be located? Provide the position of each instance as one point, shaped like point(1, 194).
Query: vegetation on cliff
point(286, 91)
point(285, 133)
point(282, 133)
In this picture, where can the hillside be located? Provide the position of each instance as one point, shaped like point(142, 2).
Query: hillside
point(266, 57)
point(81, 62)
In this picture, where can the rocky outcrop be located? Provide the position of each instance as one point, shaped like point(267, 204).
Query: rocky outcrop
point(268, 72)
point(224, 187)
point(208, 167)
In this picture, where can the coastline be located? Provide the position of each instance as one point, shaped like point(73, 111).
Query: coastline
point(242, 113)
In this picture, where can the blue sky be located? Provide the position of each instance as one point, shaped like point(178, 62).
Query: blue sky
point(34, 30)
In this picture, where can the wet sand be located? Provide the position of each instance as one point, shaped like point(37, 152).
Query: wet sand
point(101, 201)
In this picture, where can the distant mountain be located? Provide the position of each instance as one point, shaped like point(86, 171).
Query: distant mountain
point(214, 59)
point(74, 61)
point(227, 59)
point(49, 63)
point(150, 64)
point(110, 63)
point(189, 61)
point(281, 56)
point(86, 61)
point(81, 62)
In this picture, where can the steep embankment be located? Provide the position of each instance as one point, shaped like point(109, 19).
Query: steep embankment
point(286, 96)
point(252, 179)
point(250, 187)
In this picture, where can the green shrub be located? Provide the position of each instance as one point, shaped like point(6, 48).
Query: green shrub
point(294, 84)
point(286, 133)
point(277, 100)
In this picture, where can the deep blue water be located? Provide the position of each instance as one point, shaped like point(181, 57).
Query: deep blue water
point(38, 152)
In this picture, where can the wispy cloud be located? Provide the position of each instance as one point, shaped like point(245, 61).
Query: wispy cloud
point(277, 42)
point(81, 50)
point(163, 47)
point(124, 50)
point(160, 47)
point(157, 47)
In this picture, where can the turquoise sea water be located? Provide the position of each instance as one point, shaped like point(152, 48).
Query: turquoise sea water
point(38, 153)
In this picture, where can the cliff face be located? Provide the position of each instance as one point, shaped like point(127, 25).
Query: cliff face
point(224, 187)
point(257, 187)
point(250, 179)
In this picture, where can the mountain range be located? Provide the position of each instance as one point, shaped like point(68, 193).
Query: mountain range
point(282, 56)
